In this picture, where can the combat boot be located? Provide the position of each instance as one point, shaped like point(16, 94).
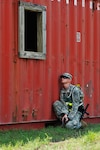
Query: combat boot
point(84, 124)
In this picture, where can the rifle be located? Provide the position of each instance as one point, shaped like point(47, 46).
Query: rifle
point(84, 111)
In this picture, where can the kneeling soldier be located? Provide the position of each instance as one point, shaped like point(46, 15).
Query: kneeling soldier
point(70, 106)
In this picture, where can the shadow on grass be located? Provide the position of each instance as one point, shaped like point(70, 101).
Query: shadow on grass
point(50, 133)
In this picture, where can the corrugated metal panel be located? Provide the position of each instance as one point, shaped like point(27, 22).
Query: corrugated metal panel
point(29, 87)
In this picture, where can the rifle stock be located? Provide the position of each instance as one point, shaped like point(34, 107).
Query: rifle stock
point(85, 111)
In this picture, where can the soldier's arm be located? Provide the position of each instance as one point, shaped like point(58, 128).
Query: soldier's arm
point(65, 108)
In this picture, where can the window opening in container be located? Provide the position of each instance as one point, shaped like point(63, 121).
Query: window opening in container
point(32, 31)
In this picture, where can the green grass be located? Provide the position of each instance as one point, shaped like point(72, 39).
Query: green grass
point(51, 138)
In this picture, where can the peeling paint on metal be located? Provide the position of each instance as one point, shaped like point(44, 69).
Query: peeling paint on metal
point(83, 3)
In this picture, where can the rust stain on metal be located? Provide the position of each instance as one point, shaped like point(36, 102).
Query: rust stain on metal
point(25, 113)
point(34, 113)
point(14, 115)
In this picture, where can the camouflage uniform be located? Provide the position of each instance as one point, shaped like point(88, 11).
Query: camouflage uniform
point(70, 101)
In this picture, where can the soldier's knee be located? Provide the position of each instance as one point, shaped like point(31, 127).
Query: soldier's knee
point(56, 103)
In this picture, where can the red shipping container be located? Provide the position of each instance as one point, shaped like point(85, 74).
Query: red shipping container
point(66, 38)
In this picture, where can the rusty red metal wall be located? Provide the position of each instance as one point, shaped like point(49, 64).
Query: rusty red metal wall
point(29, 87)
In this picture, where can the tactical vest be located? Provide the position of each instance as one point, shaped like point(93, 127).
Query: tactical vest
point(68, 96)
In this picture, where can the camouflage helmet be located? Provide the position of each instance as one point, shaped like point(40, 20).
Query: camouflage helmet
point(66, 75)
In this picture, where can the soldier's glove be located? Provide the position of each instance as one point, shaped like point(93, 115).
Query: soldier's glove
point(64, 120)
